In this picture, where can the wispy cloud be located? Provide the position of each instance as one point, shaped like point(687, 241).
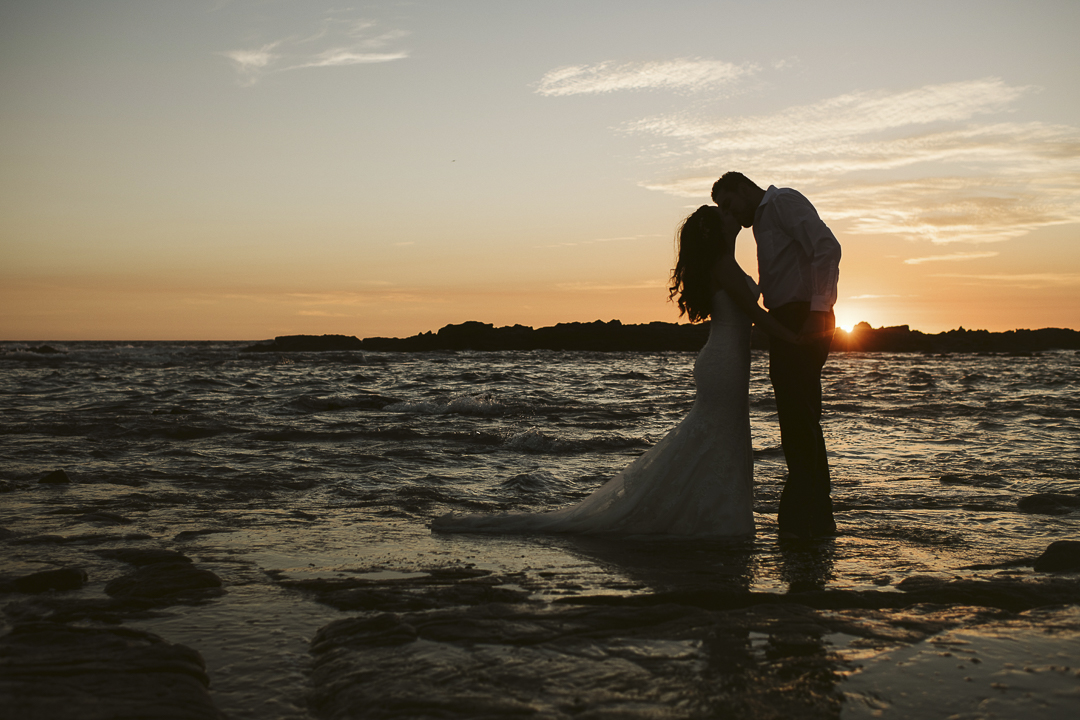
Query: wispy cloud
point(249, 63)
point(333, 42)
point(341, 56)
point(871, 297)
point(923, 163)
point(593, 287)
point(684, 74)
point(950, 257)
point(1027, 281)
point(627, 238)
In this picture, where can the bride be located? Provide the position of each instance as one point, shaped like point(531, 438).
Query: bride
point(698, 480)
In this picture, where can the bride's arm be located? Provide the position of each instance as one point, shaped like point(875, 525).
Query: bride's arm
point(729, 277)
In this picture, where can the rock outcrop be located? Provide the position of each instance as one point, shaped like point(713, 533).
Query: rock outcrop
point(177, 580)
point(51, 671)
point(1060, 556)
point(613, 335)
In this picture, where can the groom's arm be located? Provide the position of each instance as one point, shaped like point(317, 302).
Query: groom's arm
point(728, 276)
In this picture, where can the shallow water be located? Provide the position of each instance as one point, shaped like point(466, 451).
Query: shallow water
point(316, 465)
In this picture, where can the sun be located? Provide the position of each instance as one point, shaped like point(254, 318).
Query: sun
point(847, 318)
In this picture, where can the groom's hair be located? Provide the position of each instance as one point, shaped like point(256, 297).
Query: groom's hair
point(730, 182)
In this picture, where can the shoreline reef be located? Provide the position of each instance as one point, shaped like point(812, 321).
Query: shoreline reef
point(613, 336)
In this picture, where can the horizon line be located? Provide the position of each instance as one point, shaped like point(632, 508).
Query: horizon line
point(571, 322)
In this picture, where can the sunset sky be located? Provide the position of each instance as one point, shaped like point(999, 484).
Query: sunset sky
point(209, 169)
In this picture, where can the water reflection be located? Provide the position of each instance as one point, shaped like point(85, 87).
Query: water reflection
point(807, 566)
point(671, 565)
point(761, 654)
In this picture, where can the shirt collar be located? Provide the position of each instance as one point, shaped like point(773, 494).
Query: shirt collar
point(769, 195)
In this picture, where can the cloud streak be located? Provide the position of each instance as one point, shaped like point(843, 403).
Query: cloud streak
point(337, 57)
point(950, 258)
point(627, 238)
point(335, 42)
point(871, 297)
point(608, 287)
point(934, 163)
point(607, 77)
point(1030, 281)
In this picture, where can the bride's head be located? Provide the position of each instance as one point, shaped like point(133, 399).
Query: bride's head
point(697, 248)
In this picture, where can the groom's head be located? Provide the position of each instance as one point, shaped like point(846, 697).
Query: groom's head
point(737, 195)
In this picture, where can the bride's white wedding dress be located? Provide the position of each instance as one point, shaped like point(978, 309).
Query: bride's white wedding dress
point(697, 481)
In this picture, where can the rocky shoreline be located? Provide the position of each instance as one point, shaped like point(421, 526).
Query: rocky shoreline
point(610, 336)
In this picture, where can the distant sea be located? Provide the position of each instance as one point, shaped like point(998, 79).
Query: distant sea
point(310, 463)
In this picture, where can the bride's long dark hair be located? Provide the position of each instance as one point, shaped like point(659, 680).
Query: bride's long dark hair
point(698, 245)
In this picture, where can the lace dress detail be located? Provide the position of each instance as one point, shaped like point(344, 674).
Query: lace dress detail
point(697, 481)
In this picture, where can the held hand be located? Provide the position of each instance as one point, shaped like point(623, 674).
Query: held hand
point(817, 326)
point(805, 338)
point(818, 323)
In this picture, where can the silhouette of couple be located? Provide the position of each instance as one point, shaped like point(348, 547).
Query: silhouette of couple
point(698, 480)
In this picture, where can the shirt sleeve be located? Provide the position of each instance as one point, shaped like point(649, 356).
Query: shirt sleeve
point(819, 245)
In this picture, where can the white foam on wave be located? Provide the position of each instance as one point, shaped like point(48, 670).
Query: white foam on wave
point(532, 439)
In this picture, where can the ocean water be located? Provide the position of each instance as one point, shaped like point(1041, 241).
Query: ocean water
point(334, 463)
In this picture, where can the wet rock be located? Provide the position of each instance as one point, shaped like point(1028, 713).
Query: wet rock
point(50, 671)
point(144, 556)
point(180, 581)
point(364, 595)
point(1011, 594)
point(56, 477)
point(920, 583)
point(190, 534)
point(307, 343)
point(90, 514)
point(88, 539)
point(60, 609)
point(45, 350)
point(1060, 556)
point(1049, 503)
point(39, 540)
point(100, 516)
point(500, 661)
point(989, 480)
point(1004, 593)
point(437, 588)
point(382, 630)
point(39, 582)
point(714, 650)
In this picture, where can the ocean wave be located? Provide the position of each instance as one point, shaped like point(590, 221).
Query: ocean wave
point(358, 401)
point(33, 353)
point(537, 482)
point(460, 405)
point(299, 435)
point(535, 440)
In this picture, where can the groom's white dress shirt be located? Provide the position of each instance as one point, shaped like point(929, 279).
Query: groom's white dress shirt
point(798, 255)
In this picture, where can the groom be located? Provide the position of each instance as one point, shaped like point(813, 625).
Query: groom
point(798, 261)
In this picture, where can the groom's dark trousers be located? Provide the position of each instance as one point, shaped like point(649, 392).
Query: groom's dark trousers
point(795, 371)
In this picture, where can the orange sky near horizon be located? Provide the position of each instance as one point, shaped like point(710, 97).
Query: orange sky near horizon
point(246, 169)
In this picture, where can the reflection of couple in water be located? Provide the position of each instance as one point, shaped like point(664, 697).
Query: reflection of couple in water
point(698, 480)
